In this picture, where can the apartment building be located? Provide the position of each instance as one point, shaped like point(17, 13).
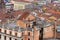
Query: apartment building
point(27, 25)
point(22, 29)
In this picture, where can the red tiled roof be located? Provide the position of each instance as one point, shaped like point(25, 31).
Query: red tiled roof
point(54, 13)
point(25, 14)
point(3, 15)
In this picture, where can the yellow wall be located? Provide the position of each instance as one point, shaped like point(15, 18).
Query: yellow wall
point(19, 5)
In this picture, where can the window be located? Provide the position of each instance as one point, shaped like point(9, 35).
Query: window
point(15, 39)
point(15, 34)
point(22, 33)
point(21, 39)
point(10, 32)
point(0, 36)
point(34, 23)
point(58, 28)
point(10, 38)
point(29, 26)
point(5, 31)
point(28, 33)
point(5, 37)
point(28, 38)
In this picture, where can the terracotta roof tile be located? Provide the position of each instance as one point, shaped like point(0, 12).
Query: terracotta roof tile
point(54, 13)
point(25, 14)
point(3, 15)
